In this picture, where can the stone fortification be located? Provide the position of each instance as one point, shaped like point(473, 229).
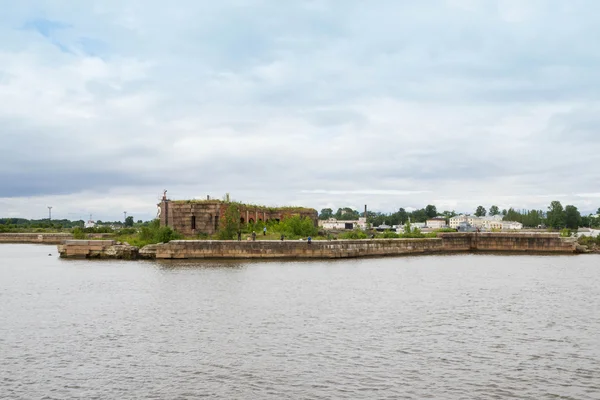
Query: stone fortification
point(192, 217)
point(445, 242)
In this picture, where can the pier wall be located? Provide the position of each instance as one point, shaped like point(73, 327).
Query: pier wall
point(451, 242)
point(532, 242)
point(181, 249)
point(265, 249)
point(45, 238)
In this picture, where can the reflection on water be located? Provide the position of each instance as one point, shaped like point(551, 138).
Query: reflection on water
point(448, 327)
point(194, 264)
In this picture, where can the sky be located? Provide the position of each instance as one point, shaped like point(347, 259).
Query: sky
point(331, 103)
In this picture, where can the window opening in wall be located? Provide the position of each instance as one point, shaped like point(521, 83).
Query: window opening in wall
point(193, 222)
point(216, 222)
point(250, 221)
point(242, 220)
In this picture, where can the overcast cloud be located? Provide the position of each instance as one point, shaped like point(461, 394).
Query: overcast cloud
point(105, 103)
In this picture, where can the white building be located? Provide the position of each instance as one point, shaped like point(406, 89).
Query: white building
point(486, 223)
point(457, 220)
point(511, 225)
point(588, 232)
point(436, 223)
point(334, 224)
point(90, 224)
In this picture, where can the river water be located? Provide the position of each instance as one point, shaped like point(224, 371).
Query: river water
point(440, 327)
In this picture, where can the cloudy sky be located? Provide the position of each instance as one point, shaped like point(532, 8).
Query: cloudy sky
point(322, 103)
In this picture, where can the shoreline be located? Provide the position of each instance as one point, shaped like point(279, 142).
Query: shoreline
point(444, 243)
point(43, 237)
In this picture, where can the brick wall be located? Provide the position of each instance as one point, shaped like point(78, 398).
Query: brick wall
point(193, 217)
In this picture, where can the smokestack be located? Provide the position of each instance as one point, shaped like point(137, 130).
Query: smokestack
point(365, 211)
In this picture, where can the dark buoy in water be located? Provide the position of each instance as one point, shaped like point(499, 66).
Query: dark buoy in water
point(49, 254)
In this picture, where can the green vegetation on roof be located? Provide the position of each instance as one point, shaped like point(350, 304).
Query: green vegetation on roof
point(196, 201)
point(247, 205)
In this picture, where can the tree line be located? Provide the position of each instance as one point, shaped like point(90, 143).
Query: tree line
point(399, 217)
point(555, 217)
point(23, 224)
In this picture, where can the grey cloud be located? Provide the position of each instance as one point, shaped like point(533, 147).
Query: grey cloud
point(38, 181)
point(271, 100)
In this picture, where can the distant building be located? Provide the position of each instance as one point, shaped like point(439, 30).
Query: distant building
point(90, 224)
point(588, 232)
point(465, 227)
point(494, 222)
point(436, 223)
point(511, 225)
point(457, 220)
point(335, 224)
point(383, 227)
point(413, 225)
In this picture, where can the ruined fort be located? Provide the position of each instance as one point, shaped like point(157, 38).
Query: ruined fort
point(193, 217)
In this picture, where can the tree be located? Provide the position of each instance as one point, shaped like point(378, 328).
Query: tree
point(504, 212)
point(418, 215)
point(346, 213)
point(449, 214)
point(402, 216)
point(494, 210)
point(326, 213)
point(480, 212)
point(129, 221)
point(598, 211)
point(586, 221)
point(230, 223)
point(555, 217)
point(297, 226)
point(572, 217)
point(431, 211)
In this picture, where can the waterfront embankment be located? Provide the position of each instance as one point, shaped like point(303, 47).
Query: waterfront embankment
point(45, 237)
point(42, 238)
point(220, 249)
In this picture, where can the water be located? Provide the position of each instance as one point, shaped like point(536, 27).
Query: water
point(443, 327)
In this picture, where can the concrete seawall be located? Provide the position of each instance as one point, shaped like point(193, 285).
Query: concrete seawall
point(214, 249)
point(97, 249)
point(448, 242)
point(44, 238)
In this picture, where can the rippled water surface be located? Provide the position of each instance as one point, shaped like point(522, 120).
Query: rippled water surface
point(443, 327)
